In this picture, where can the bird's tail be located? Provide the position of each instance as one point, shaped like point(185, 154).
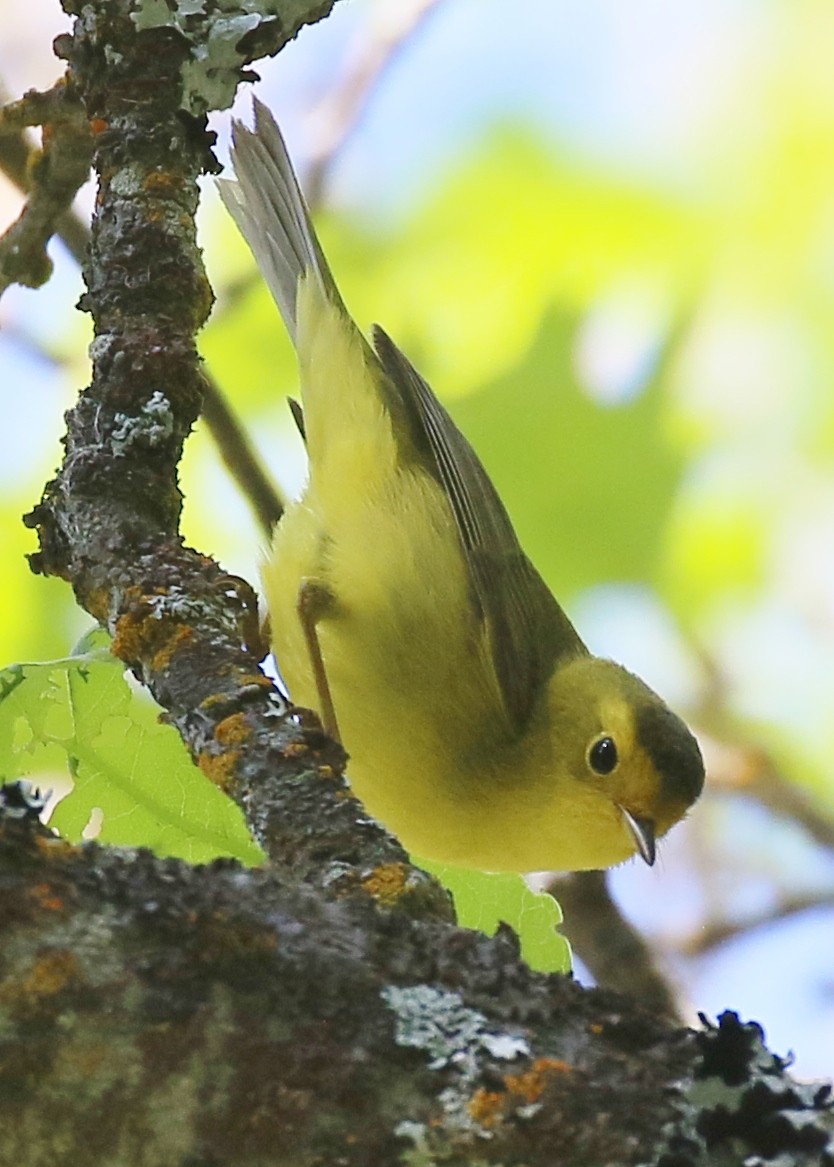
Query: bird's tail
point(267, 204)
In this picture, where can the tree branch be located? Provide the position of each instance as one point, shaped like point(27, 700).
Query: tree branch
point(18, 161)
point(17, 157)
point(716, 932)
point(614, 952)
point(742, 768)
point(109, 522)
point(156, 1013)
point(52, 177)
point(240, 457)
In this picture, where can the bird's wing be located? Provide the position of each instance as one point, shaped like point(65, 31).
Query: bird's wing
point(527, 632)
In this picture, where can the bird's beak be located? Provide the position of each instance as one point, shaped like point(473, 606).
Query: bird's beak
point(643, 833)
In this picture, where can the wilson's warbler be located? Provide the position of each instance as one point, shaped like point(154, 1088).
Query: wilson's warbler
point(479, 728)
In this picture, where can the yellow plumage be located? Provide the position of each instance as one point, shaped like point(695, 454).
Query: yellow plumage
point(471, 711)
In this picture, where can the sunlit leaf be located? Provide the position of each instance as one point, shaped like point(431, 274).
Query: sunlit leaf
point(79, 716)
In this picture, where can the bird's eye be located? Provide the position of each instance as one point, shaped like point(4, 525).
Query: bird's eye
point(602, 756)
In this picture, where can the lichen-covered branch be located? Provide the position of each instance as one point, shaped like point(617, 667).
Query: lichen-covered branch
point(108, 523)
point(155, 1013)
point(21, 163)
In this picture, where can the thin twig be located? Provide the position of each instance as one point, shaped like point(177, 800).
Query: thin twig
point(50, 177)
point(737, 765)
point(742, 768)
point(614, 952)
point(16, 153)
point(336, 115)
point(240, 458)
point(718, 932)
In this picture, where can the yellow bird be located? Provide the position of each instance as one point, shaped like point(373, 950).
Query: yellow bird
point(479, 728)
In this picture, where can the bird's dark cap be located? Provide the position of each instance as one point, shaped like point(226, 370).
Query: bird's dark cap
point(674, 751)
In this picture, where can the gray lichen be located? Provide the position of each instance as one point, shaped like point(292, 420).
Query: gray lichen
point(153, 427)
point(220, 36)
point(448, 1031)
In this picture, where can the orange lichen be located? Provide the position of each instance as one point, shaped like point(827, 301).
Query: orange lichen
point(487, 1107)
point(163, 182)
point(387, 882)
point(233, 730)
point(244, 682)
point(50, 974)
point(98, 125)
point(532, 1083)
point(97, 603)
point(46, 897)
point(142, 632)
point(178, 635)
point(219, 768)
point(50, 847)
point(214, 699)
point(131, 634)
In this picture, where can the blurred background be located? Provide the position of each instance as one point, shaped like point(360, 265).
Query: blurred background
point(605, 234)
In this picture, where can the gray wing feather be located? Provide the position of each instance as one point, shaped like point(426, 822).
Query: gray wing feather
point(267, 204)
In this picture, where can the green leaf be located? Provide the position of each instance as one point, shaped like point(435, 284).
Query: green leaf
point(78, 716)
point(483, 900)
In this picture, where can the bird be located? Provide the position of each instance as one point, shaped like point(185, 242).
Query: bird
point(479, 728)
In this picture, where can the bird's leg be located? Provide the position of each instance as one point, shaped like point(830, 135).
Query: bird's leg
point(315, 600)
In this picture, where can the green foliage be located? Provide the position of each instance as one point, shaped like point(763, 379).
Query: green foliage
point(515, 230)
point(599, 482)
point(78, 717)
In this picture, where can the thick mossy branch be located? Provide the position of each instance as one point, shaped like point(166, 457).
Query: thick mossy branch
point(157, 1013)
